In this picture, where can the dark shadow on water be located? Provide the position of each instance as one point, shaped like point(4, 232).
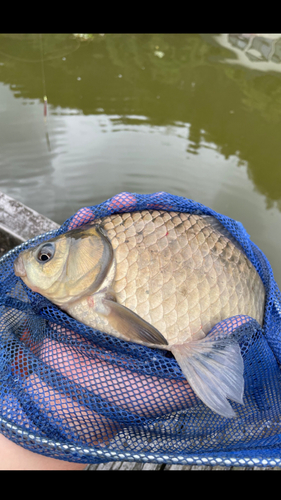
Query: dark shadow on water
point(164, 79)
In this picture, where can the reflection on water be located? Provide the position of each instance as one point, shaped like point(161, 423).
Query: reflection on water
point(144, 113)
point(255, 51)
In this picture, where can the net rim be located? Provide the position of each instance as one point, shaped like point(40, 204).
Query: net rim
point(106, 455)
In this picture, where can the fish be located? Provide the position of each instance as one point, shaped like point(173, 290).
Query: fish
point(158, 278)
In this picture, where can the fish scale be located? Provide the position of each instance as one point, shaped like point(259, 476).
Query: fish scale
point(165, 255)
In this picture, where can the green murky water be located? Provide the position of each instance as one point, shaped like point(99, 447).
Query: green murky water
point(194, 115)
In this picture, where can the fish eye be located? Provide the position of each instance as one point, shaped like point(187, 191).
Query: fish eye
point(46, 252)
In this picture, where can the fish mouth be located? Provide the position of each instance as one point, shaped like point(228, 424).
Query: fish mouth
point(19, 267)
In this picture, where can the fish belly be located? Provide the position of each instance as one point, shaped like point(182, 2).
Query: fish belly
point(180, 273)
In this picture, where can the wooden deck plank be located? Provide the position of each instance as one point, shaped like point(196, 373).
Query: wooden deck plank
point(125, 466)
point(172, 467)
point(166, 467)
point(19, 223)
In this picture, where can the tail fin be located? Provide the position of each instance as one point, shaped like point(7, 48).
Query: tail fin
point(214, 370)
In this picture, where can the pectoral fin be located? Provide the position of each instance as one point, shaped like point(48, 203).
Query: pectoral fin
point(130, 326)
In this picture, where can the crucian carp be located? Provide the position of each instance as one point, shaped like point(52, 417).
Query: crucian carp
point(158, 278)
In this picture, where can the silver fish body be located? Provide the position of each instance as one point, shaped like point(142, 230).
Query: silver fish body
point(181, 273)
point(158, 278)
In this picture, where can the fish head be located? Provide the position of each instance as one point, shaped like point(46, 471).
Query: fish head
point(67, 267)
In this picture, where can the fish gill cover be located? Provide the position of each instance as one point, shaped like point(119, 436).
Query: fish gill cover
point(73, 393)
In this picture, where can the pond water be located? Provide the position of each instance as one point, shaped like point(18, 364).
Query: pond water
point(192, 114)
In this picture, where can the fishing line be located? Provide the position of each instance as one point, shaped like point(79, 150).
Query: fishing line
point(45, 99)
point(47, 58)
point(41, 60)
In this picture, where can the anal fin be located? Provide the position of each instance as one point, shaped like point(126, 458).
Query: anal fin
point(214, 370)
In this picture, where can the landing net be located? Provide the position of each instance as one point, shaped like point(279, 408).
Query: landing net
point(73, 393)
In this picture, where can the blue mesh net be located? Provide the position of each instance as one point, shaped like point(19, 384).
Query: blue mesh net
point(73, 393)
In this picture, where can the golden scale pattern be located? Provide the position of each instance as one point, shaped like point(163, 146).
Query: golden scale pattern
point(176, 271)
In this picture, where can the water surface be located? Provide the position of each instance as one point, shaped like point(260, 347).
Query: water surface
point(194, 115)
